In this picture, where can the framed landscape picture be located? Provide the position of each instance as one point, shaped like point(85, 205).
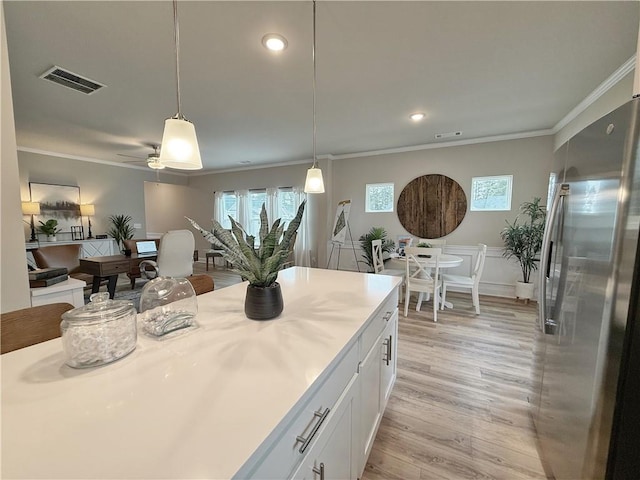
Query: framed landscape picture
point(61, 202)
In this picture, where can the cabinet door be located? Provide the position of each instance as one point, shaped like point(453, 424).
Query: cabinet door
point(370, 398)
point(333, 456)
point(389, 358)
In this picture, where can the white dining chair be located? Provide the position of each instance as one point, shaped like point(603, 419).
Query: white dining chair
point(472, 282)
point(422, 278)
point(378, 263)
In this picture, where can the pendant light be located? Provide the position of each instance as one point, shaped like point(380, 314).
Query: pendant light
point(179, 142)
point(314, 182)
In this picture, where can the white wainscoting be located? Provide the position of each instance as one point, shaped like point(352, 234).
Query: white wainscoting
point(498, 278)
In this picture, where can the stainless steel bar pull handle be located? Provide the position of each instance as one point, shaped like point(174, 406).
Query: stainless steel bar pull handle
point(319, 471)
point(387, 354)
point(306, 441)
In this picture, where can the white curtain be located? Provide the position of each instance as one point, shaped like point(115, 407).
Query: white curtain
point(244, 208)
point(218, 207)
point(271, 205)
point(302, 250)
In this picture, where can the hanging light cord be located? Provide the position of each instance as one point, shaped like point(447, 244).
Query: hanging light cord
point(313, 55)
point(176, 36)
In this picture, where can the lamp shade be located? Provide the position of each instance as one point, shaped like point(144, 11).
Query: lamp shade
point(314, 182)
point(31, 208)
point(87, 210)
point(180, 145)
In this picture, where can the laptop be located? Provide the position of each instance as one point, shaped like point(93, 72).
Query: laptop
point(147, 249)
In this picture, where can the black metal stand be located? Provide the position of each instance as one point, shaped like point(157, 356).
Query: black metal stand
point(90, 234)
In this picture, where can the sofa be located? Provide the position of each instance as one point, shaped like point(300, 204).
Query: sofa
point(62, 256)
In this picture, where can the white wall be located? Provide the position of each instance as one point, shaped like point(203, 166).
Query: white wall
point(166, 206)
point(528, 160)
point(14, 284)
point(113, 190)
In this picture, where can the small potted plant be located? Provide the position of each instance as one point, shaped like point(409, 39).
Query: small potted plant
point(523, 241)
point(121, 230)
point(50, 228)
point(259, 266)
point(376, 233)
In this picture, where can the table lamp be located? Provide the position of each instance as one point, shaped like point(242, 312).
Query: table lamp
point(31, 208)
point(88, 211)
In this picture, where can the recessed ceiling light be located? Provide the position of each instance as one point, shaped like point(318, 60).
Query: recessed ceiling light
point(244, 162)
point(416, 117)
point(274, 42)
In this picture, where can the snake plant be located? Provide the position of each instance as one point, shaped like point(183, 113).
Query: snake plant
point(260, 265)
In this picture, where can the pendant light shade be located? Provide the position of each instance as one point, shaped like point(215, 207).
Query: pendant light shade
point(179, 148)
point(180, 145)
point(314, 182)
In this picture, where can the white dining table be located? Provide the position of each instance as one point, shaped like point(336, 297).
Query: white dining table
point(446, 261)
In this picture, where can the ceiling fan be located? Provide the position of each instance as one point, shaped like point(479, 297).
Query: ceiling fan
point(152, 160)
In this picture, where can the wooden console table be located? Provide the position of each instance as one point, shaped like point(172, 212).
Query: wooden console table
point(109, 267)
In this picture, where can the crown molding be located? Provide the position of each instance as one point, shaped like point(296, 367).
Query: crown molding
point(456, 143)
point(600, 90)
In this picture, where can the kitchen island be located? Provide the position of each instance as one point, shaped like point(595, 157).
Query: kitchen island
point(234, 398)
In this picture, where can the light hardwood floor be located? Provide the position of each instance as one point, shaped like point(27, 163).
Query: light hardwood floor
point(459, 408)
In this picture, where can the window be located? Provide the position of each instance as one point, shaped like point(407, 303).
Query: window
point(287, 208)
point(256, 199)
point(379, 197)
point(491, 193)
point(230, 208)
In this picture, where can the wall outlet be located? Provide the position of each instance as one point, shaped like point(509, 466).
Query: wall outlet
point(137, 225)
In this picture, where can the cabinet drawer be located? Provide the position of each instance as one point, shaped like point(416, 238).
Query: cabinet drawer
point(377, 324)
point(115, 268)
point(286, 455)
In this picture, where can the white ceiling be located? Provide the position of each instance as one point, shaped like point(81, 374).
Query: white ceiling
point(485, 68)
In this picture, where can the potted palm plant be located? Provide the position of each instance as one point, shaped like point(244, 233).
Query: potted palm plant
point(121, 230)
point(376, 233)
point(523, 241)
point(258, 265)
point(50, 228)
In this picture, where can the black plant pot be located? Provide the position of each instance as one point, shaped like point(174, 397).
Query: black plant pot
point(263, 303)
point(127, 252)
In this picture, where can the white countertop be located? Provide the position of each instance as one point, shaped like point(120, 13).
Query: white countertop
point(194, 406)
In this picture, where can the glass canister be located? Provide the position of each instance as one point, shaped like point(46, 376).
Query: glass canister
point(167, 304)
point(100, 332)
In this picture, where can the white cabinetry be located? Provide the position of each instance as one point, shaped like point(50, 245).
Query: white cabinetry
point(377, 376)
point(334, 454)
point(330, 437)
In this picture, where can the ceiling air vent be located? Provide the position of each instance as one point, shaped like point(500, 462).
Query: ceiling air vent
point(71, 80)
point(447, 135)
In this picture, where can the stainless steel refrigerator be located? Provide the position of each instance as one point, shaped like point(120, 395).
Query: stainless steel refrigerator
point(586, 402)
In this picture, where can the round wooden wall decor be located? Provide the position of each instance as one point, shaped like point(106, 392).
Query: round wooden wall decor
point(432, 206)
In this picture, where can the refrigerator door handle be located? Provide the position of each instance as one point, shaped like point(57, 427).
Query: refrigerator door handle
point(545, 255)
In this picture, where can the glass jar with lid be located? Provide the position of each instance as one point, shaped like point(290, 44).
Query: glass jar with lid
point(100, 332)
